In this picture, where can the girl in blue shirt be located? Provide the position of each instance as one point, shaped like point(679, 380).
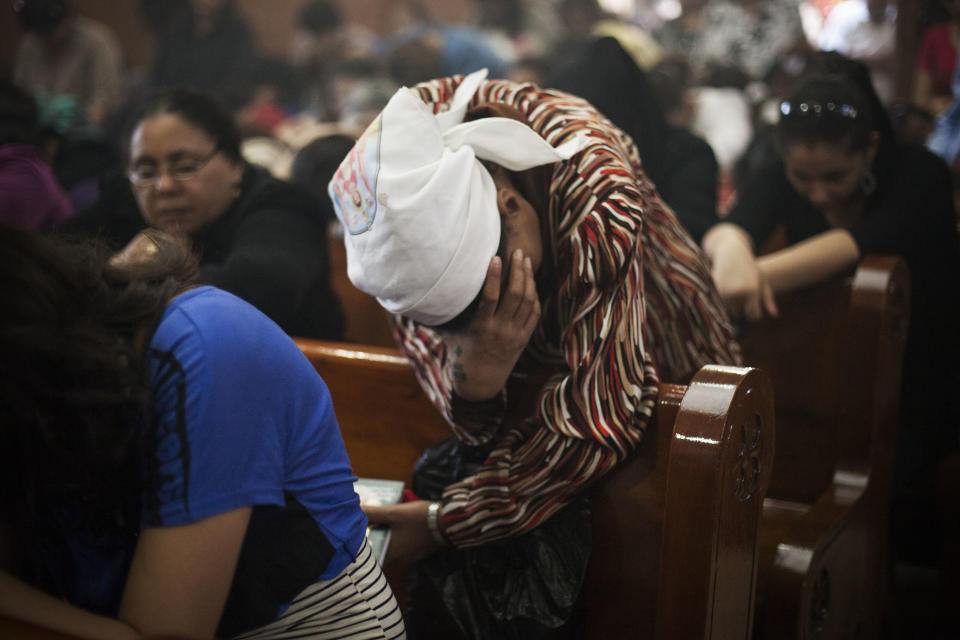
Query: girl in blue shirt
point(171, 463)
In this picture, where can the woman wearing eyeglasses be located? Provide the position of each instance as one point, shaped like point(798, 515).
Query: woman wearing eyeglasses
point(843, 189)
point(258, 237)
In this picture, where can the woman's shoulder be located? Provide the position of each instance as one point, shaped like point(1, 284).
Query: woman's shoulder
point(283, 201)
point(915, 166)
point(208, 304)
point(212, 317)
point(212, 332)
point(261, 189)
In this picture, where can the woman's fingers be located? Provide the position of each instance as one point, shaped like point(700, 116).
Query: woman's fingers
point(491, 289)
point(751, 308)
point(530, 301)
point(769, 302)
point(512, 296)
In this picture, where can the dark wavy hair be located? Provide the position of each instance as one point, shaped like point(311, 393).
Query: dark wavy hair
point(196, 109)
point(76, 413)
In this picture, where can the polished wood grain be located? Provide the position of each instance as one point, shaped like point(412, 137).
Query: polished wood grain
point(16, 630)
point(835, 356)
point(366, 321)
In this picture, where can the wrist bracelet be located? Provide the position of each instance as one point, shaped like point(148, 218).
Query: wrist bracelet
point(433, 523)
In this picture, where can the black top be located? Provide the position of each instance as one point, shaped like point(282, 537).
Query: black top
point(910, 214)
point(269, 248)
point(681, 165)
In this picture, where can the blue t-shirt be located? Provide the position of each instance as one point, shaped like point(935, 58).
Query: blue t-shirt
point(243, 419)
point(258, 421)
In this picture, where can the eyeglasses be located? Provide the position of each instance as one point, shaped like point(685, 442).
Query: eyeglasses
point(816, 109)
point(181, 169)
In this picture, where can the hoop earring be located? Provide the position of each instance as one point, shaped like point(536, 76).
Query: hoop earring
point(868, 182)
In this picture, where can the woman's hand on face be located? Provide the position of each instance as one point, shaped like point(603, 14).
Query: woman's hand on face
point(482, 354)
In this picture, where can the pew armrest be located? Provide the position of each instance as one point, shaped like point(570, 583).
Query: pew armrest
point(10, 628)
point(835, 356)
point(674, 553)
point(720, 463)
point(812, 563)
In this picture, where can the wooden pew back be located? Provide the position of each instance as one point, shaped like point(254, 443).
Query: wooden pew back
point(366, 321)
point(831, 352)
point(834, 355)
point(674, 528)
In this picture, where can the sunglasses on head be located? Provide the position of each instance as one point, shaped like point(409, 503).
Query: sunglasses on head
point(816, 109)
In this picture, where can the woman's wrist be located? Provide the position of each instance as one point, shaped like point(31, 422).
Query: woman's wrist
point(433, 524)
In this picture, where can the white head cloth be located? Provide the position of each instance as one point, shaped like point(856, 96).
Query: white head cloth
point(419, 209)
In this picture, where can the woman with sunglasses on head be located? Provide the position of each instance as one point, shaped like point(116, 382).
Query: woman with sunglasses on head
point(258, 237)
point(843, 189)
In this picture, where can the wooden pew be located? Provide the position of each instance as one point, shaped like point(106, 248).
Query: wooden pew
point(834, 355)
point(674, 528)
point(366, 321)
point(14, 629)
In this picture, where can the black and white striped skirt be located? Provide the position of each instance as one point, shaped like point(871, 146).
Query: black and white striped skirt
point(357, 604)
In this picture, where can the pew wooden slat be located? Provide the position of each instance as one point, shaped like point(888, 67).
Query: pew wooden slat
point(674, 528)
point(835, 356)
point(366, 321)
point(16, 630)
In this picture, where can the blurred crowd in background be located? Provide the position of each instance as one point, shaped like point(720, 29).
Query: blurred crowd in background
point(718, 67)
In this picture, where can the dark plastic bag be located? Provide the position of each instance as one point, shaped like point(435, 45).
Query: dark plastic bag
point(524, 587)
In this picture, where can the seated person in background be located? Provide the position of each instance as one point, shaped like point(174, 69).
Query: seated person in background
point(527, 246)
point(945, 140)
point(172, 465)
point(30, 195)
point(845, 189)
point(65, 54)
point(322, 36)
point(681, 35)
point(865, 30)
point(322, 41)
point(258, 237)
point(315, 164)
point(680, 165)
point(935, 62)
point(207, 47)
point(751, 34)
point(452, 49)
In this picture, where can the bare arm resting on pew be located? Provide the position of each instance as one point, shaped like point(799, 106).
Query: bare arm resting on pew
point(810, 261)
point(735, 273)
point(177, 586)
point(748, 283)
